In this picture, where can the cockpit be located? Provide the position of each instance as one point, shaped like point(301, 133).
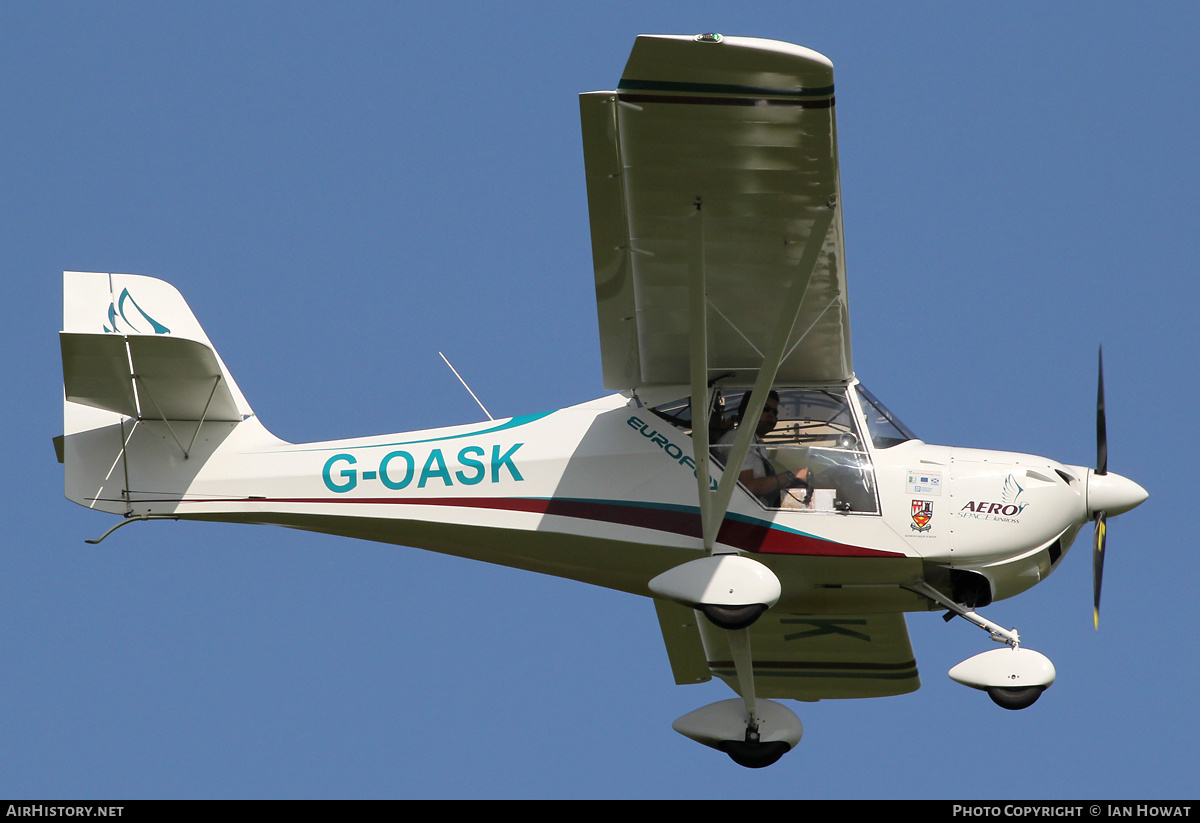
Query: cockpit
point(818, 434)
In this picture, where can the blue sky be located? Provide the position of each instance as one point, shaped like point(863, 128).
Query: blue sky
point(343, 190)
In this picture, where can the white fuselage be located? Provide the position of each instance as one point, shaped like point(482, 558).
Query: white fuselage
point(605, 492)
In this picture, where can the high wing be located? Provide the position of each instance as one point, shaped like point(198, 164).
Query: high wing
point(712, 172)
point(714, 198)
point(796, 656)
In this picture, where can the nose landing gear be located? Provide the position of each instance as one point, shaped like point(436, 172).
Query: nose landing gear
point(1014, 677)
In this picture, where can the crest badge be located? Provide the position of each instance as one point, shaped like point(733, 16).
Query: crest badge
point(922, 513)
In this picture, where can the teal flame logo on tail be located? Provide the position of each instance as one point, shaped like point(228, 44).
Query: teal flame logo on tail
point(117, 309)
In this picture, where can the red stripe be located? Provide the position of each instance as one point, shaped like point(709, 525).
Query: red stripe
point(750, 537)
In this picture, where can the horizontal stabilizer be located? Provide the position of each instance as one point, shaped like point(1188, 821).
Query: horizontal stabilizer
point(149, 377)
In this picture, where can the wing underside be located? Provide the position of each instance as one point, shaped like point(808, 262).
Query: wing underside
point(714, 166)
point(796, 656)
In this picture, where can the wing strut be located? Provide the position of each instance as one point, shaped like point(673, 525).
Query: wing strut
point(698, 374)
point(714, 504)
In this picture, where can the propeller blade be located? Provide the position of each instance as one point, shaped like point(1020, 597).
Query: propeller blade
point(1098, 541)
point(1101, 426)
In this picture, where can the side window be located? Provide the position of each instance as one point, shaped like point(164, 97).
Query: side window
point(814, 434)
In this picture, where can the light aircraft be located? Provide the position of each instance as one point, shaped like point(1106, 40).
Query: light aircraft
point(715, 208)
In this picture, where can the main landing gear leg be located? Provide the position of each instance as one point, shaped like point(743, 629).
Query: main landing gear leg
point(753, 751)
point(1015, 677)
point(732, 592)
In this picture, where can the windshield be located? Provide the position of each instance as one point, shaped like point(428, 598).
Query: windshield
point(885, 428)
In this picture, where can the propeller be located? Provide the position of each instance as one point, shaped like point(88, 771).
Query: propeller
point(1098, 538)
point(1107, 495)
point(1101, 427)
point(1098, 565)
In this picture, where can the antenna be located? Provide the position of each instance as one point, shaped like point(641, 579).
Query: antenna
point(465, 386)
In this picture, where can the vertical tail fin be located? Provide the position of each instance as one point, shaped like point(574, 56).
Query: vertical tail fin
point(146, 397)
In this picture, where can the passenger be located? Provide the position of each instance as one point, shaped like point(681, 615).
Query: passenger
point(758, 475)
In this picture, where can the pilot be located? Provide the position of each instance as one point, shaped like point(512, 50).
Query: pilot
point(758, 475)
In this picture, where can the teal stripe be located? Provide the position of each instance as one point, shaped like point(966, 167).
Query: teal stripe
point(515, 422)
point(685, 509)
point(767, 524)
point(638, 504)
point(720, 88)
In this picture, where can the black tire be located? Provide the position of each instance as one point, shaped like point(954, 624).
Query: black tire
point(754, 755)
point(1015, 699)
point(733, 617)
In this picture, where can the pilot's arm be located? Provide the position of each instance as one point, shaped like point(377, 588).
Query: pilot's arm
point(763, 486)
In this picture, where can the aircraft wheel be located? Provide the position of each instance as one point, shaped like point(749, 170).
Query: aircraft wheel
point(754, 755)
point(1015, 698)
point(732, 618)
